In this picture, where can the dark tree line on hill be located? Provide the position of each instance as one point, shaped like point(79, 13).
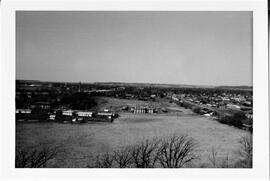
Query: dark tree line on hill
point(81, 101)
point(234, 120)
point(147, 91)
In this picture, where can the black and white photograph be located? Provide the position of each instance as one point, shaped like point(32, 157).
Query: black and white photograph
point(134, 89)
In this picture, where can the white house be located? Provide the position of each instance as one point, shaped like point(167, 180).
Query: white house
point(105, 114)
point(52, 117)
point(67, 112)
point(106, 110)
point(84, 114)
point(23, 111)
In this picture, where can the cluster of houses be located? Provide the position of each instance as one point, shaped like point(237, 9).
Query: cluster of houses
point(140, 109)
point(23, 111)
point(143, 109)
point(85, 116)
point(41, 99)
point(219, 102)
point(66, 116)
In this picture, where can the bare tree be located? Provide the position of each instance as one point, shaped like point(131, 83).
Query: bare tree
point(213, 157)
point(123, 157)
point(35, 158)
point(218, 162)
point(144, 154)
point(177, 151)
point(245, 152)
point(225, 162)
point(22, 159)
point(104, 161)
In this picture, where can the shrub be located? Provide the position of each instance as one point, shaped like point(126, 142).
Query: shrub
point(234, 120)
point(196, 110)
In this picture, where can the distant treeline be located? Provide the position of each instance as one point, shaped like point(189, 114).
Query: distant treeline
point(81, 101)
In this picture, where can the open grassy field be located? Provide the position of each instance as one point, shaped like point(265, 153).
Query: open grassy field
point(82, 141)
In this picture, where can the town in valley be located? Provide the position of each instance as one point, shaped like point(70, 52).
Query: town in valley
point(77, 102)
point(114, 115)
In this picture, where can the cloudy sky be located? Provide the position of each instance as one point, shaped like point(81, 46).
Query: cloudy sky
point(199, 48)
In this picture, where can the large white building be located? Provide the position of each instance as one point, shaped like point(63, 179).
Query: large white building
point(84, 114)
point(67, 112)
point(23, 111)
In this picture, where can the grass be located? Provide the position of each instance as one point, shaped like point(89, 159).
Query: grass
point(82, 142)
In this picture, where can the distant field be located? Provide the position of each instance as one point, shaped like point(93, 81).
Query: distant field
point(82, 141)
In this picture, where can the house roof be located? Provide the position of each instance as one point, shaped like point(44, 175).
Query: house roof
point(104, 114)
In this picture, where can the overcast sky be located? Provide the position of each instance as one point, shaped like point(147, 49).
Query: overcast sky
point(199, 48)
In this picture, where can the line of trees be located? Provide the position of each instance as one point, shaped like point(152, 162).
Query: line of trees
point(237, 119)
point(174, 152)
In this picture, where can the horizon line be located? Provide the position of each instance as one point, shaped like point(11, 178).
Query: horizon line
point(100, 82)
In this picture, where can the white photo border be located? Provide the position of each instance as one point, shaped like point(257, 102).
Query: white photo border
point(260, 168)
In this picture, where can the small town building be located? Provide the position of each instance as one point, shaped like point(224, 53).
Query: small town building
point(52, 117)
point(105, 114)
point(84, 114)
point(106, 110)
point(23, 111)
point(67, 112)
point(41, 105)
point(150, 110)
